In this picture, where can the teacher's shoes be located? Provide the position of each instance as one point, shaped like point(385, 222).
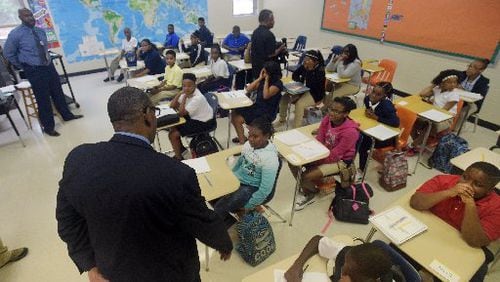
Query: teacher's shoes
point(120, 78)
point(52, 133)
point(107, 79)
point(15, 255)
point(304, 200)
point(73, 117)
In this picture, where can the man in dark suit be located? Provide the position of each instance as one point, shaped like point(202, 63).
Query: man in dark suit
point(129, 213)
point(473, 80)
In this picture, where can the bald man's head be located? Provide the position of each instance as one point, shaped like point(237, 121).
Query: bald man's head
point(26, 17)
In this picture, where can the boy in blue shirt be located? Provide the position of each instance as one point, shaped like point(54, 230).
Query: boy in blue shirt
point(171, 39)
point(236, 43)
point(256, 169)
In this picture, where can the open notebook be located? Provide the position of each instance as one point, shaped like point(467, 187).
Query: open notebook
point(296, 88)
point(398, 224)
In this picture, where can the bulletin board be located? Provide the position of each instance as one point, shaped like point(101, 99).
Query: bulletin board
point(461, 28)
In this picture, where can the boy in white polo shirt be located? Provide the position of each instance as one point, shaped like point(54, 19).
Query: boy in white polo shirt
point(220, 72)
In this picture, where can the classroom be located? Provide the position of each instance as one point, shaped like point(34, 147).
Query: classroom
point(264, 149)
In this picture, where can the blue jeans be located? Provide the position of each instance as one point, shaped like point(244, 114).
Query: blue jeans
point(45, 83)
point(235, 200)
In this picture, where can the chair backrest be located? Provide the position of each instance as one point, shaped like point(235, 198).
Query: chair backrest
point(271, 195)
point(409, 272)
point(387, 74)
point(407, 119)
point(212, 101)
point(300, 43)
point(460, 105)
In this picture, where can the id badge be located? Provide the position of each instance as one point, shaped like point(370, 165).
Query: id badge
point(41, 42)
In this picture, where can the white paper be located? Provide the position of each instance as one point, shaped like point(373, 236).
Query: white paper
point(398, 224)
point(444, 271)
point(279, 276)
point(239, 94)
point(145, 78)
point(310, 150)
point(166, 110)
point(200, 165)
point(332, 76)
point(8, 89)
point(292, 137)
point(381, 132)
point(435, 115)
point(24, 84)
point(402, 103)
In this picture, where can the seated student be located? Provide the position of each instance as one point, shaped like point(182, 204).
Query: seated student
point(219, 69)
point(347, 65)
point(339, 134)
point(361, 263)
point(468, 202)
point(268, 87)
point(171, 39)
point(236, 43)
point(172, 82)
point(441, 93)
point(312, 73)
point(472, 80)
point(206, 37)
point(380, 108)
point(256, 169)
point(194, 107)
point(129, 45)
point(152, 59)
point(195, 50)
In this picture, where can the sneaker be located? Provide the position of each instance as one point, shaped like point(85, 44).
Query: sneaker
point(16, 255)
point(304, 201)
point(359, 176)
point(120, 78)
point(412, 152)
point(107, 79)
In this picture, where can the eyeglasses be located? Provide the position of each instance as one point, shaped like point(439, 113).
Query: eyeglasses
point(156, 110)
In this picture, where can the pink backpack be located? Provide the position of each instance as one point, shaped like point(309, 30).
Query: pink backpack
point(395, 171)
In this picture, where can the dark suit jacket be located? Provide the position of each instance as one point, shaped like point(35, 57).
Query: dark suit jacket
point(481, 86)
point(134, 213)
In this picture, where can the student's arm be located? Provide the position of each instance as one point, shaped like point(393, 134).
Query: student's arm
point(471, 229)
point(174, 104)
point(10, 50)
point(269, 174)
point(143, 72)
point(317, 84)
point(332, 65)
point(295, 272)
point(427, 91)
point(426, 199)
point(255, 84)
point(388, 115)
point(199, 57)
point(323, 127)
point(269, 90)
point(350, 70)
point(298, 74)
point(181, 109)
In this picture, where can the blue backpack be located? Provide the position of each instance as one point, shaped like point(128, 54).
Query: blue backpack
point(449, 146)
point(256, 236)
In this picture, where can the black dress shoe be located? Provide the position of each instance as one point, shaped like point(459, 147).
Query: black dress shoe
point(52, 133)
point(73, 117)
point(107, 79)
point(120, 78)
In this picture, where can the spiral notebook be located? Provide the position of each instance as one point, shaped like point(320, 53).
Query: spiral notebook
point(398, 224)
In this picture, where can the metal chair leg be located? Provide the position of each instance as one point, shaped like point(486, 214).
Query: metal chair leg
point(207, 257)
point(274, 213)
point(15, 129)
point(476, 118)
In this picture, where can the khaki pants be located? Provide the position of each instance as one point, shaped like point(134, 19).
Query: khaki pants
point(164, 94)
point(341, 90)
point(115, 64)
point(4, 254)
point(326, 169)
point(304, 101)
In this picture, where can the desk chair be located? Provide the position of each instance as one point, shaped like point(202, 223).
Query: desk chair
point(335, 51)
point(265, 204)
point(407, 119)
point(293, 68)
point(300, 43)
point(387, 74)
point(212, 101)
point(409, 272)
point(475, 115)
point(5, 107)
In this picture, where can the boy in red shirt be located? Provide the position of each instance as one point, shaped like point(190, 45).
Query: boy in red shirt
point(468, 202)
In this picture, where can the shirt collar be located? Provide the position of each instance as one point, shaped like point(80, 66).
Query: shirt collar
point(472, 83)
point(133, 135)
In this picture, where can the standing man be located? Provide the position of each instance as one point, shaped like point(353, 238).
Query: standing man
point(26, 48)
point(134, 214)
point(236, 43)
point(172, 39)
point(206, 37)
point(264, 43)
point(129, 45)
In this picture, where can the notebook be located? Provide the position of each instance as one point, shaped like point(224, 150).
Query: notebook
point(296, 88)
point(398, 224)
point(435, 115)
point(292, 137)
point(310, 150)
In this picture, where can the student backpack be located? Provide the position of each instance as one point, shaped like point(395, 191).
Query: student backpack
point(449, 146)
point(202, 145)
point(395, 171)
point(256, 238)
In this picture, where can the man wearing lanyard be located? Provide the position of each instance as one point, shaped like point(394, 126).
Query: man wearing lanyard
point(472, 80)
point(26, 48)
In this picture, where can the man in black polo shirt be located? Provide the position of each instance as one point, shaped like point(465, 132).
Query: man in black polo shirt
point(264, 46)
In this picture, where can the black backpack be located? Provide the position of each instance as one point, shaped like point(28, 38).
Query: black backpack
point(202, 145)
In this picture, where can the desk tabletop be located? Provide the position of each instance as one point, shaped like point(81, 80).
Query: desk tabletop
point(124, 66)
point(440, 242)
point(222, 179)
point(334, 77)
point(415, 104)
point(144, 82)
point(476, 155)
point(222, 49)
point(181, 56)
point(199, 72)
point(227, 103)
point(316, 264)
point(108, 52)
point(240, 65)
point(366, 123)
point(292, 157)
point(371, 67)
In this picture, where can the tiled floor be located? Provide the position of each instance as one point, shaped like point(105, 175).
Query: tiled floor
point(29, 181)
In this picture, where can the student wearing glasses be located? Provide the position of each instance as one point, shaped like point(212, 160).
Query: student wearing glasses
point(347, 65)
point(312, 74)
point(194, 107)
point(473, 80)
point(339, 134)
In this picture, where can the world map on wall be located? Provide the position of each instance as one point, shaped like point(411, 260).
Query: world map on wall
point(86, 27)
